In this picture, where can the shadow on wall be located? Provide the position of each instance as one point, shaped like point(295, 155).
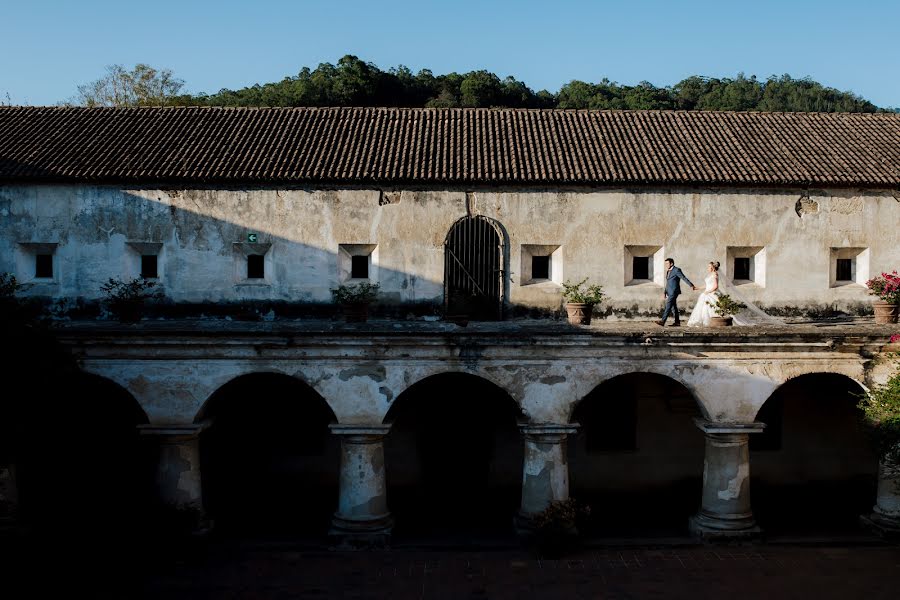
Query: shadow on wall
point(234, 252)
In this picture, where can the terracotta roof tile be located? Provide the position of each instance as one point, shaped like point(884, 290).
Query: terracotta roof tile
point(447, 146)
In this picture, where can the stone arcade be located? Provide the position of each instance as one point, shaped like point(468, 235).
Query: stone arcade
point(263, 211)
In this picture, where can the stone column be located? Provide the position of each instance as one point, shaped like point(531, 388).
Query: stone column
point(725, 511)
point(178, 471)
point(885, 516)
point(362, 518)
point(9, 495)
point(545, 470)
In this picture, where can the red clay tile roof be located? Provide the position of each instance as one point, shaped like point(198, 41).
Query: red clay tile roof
point(447, 146)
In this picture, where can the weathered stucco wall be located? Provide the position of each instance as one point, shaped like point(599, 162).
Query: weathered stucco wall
point(199, 260)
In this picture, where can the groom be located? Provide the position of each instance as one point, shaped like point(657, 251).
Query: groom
point(673, 289)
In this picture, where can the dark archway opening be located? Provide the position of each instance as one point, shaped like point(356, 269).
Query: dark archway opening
point(473, 269)
point(269, 463)
point(454, 460)
point(813, 470)
point(637, 459)
point(82, 467)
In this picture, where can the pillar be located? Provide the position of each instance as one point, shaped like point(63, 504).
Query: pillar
point(178, 481)
point(885, 516)
point(362, 518)
point(9, 495)
point(725, 511)
point(545, 470)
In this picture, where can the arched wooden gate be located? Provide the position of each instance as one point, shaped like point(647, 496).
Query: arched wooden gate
point(473, 269)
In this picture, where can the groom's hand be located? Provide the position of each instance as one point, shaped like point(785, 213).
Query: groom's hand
point(695, 287)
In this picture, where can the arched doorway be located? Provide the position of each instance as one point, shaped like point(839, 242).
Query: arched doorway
point(813, 470)
point(454, 459)
point(269, 463)
point(637, 459)
point(473, 268)
point(82, 467)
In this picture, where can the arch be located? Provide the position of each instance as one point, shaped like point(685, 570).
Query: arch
point(247, 379)
point(474, 268)
point(637, 443)
point(443, 373)
point(269, 461)
point(454, 450)
point(649, 370)
point(814, 447)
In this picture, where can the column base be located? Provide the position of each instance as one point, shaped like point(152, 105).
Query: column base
point(884, 525)
point(710, 528)
point(357, 534)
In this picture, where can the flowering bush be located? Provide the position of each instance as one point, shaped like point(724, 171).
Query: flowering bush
point(886, 287)
point(881, 407)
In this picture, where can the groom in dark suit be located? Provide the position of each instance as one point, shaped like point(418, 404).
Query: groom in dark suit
point(673, 289)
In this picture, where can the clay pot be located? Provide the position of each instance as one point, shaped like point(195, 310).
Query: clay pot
point(886, 312)
point(356, 313)
point(579, 313)
point(720, 321)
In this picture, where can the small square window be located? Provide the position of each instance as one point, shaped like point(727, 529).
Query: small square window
point(540, 267)
point(256, 266)
point(742, 268)
point(844, 270)
point(149, 266)
point(359, 267)
point(43, 266)
point(640, 268)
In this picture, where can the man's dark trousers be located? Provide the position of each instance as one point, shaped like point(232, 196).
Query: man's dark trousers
point(671, 307)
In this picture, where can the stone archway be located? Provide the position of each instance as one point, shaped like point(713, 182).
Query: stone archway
point(81, 463)
point(473, 268)
point(268, 460)
point(638, 456)
point(454, 458)
point(813, 468)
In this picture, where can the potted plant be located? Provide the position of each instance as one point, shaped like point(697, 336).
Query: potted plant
point(580, 300)
point(355, 300)
point(126, 299)
point(881, 414)
point(887, 288)
point(725, 309)
point(556, 527)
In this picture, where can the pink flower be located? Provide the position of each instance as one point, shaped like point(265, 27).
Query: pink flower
point(895, 338)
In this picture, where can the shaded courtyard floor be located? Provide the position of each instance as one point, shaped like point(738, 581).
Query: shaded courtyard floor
point(222, 569)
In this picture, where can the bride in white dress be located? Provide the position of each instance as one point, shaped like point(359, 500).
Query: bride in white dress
point(702, 312)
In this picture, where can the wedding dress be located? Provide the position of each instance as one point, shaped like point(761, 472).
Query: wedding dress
point(703, 312)
point(750, 315)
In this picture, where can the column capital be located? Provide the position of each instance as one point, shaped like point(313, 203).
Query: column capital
point(548, 431)
point(173, 431)
point(717, 428)
point(356, 432)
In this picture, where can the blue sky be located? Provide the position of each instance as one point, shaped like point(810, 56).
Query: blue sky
point(48, 47)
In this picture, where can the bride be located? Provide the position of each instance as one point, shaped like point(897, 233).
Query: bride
point(702, 312)
point(749, 315)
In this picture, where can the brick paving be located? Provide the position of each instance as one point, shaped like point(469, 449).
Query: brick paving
point(869, 572)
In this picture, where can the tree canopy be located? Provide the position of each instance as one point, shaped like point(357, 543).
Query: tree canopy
point(354, 82)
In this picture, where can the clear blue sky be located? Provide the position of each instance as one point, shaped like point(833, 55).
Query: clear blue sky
point(48, 47)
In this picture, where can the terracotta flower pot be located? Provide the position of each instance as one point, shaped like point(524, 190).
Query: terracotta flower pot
point(886, 312)
point(579, 313)
point(720, 321)
point(356, 313)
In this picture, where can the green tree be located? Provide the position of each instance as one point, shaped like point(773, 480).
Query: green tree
point(141, 86)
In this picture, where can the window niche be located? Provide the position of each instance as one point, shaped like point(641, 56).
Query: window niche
point(36, 262)
point(644, 265)
point(746, 265)
point(849, 266)
point(541, 263)
point(252, 263)
point(145, 258)
point(357, 262)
